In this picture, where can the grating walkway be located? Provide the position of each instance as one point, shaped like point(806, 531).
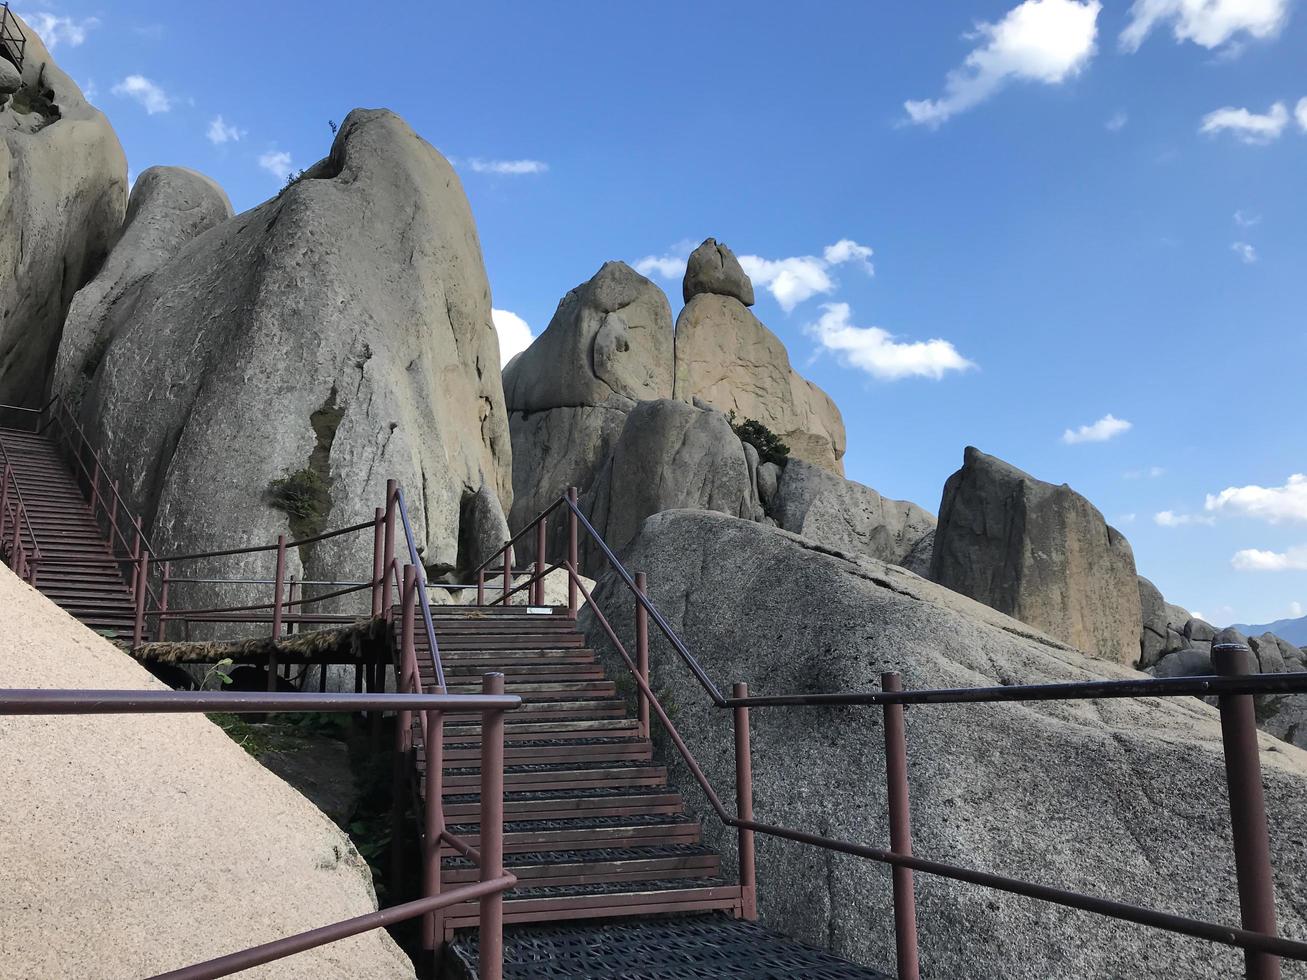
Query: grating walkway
point(666, 949)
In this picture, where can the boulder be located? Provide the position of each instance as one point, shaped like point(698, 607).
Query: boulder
point(917, 561)
point(1163, 625)
point(168, 207)
point(608, 346)
point(11, 79)
point(1040, 553)
point(769, 481)
point(725, 356)
point(1189, 662)
point(63, 191)
point(337, 335)
point(1266, 648)
point(1120, 798)
point(713, 268)
point(163, 845)
point(669, 455)
point(847, 516)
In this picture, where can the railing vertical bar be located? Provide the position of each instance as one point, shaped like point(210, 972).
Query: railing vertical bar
point(491, 965)
point(378, 561)
point(164, 580)
point(1252, 845)
point(744, 806)
point(508, 574)
point(900, 824)
point(278, 588)
point(642, 651)
point(433, 822)
point(573, 554)
point(481, 587)
point(388, 547)
point(142, 577)
point(538, 589)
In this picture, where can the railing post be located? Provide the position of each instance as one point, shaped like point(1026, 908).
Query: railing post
point(388, 545)
point(164, 579)
point(642, 650)
point(900, 831)
point(538, 589)
point(4, 499)
point(403, 731)
point(1243, 775)
point(492, 832)
point(278, 587)
point(481, 587)
point(508, 572)
point(95, 488)
point(378, 560)
point(744, 807)
point(292, 597)
point(573, 553)
point(434, 823)
point(142, 577)
point(112, 508)
point(407, 651)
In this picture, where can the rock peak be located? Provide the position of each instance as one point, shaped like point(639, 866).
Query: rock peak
point(713, 268)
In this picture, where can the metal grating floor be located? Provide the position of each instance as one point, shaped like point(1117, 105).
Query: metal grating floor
point(680, 948)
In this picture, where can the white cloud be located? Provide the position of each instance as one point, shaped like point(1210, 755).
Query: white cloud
point(152, 98)
point(1127, 518)
point(221, 131)
point(1209, 23)
point(1108, 427)
point(1256, 560)
point(1300, 113)
point(277, 163)
point(1295, 609)
point(1116, 122)
point(514, 334)
point(1152, 473)
point(1247, 254)
point(1169, 518)
point(875, 351)
point(507, 167)
point(1246, 219)
point(1256, 129)
point(1045, 41)
point(667, 266)
point(1275, 505)
point(847, 250)
point(54, 30)
point(791, 280)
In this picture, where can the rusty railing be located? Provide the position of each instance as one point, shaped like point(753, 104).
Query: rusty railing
point(489, 890)
point(12, 39)
point(17, 540)
point(1235, 685)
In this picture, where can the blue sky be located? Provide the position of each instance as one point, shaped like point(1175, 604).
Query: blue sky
point(1095, 212)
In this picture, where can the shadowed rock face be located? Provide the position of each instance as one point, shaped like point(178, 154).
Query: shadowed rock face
point(342, 328)
point(1120, 798)
point(169, 206)
point(63, 190)
point(1040, 553)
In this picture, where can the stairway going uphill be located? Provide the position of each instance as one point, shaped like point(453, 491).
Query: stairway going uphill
point(77, 569)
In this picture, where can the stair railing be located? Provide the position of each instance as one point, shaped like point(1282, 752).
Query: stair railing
point(16, 535)
point(1235, 684)
point(12, 37)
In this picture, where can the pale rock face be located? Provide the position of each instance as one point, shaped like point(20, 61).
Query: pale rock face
point(1040, 553)
point(713, 268)
point(342, 327)
point(1121, 797)
point(164, 845)
point(726, 357)
point(847, 516)
point(168, 207)
point(63, 191)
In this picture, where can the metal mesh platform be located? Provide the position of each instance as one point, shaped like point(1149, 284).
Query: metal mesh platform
point(694, 948)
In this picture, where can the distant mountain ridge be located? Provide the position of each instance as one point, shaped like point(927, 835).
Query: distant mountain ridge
point(1293, 630)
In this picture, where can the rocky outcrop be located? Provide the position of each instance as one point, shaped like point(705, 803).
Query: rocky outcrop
point(194, 849)
point(726, 357)
point(608, 346)
point(169, 206)
point(1119, 797)
point(63, 190)
point(337, 335)
point(713, 268)
point(1040, 553)
point(825, 508)
point(669, 455)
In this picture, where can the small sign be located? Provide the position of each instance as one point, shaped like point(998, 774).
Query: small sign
point(540, 610)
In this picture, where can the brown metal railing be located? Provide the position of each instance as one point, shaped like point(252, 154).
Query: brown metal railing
point(16, 536)
point(1235, 685)
point(12, 39)
point(494, 881)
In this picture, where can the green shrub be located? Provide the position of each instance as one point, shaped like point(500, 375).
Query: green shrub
point(303, 496)
point(768, 443)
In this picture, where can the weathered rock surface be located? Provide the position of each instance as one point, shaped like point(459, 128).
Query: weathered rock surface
point(832, 511)
point(11, 79)
point(1040, 553)
point(341, 330)
point(669, 455)
point(1163, 625)
point(725, 356)
point(165, 845)
point(63, 191)
point(168, 207)
point(713, 268)
point(918, 559)
point(608, 346)
point(1118, 798)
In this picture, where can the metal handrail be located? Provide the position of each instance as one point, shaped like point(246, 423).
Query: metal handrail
point(1235, 686)
point(424, 600)
point(13, 37)
point(10, 477)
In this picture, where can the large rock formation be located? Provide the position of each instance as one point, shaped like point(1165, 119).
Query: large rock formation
point(138, 844)
point(336, 335)
point(169, 206)
point(841, 514)
point(1118, 798)
point(608, 346)
point(1040, 553)
point(725, 356)
point(63, 188)
point(669, 455)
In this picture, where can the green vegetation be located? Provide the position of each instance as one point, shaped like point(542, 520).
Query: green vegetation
point(303, 496)
point(768, 443)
